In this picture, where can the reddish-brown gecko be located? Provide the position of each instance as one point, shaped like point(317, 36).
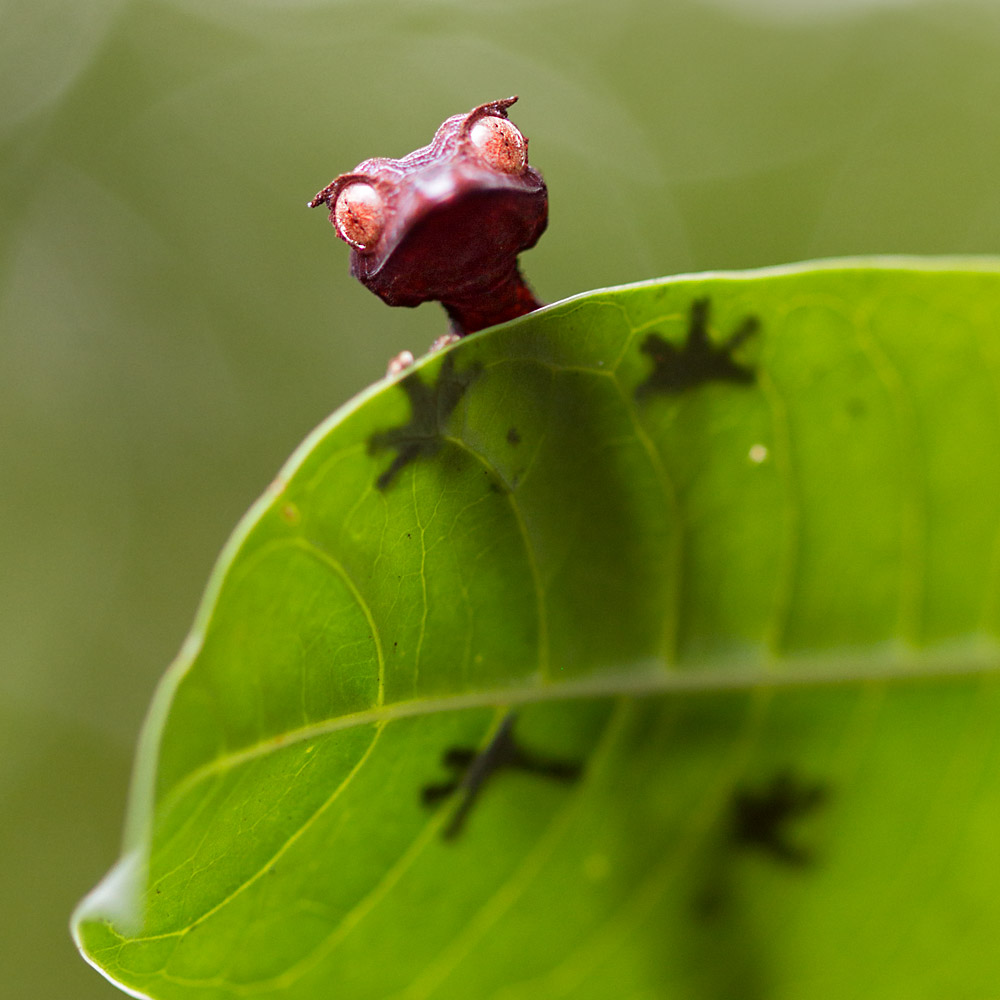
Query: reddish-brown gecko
point(446, 222)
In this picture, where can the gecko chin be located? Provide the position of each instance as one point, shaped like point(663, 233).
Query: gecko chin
point(457, 249)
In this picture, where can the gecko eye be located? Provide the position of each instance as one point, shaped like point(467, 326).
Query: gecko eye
point(359, 215)
point(500, 144)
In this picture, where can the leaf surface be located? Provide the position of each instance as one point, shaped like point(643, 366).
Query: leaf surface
point(728, 544)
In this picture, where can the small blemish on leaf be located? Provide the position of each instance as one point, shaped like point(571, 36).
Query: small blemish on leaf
point(495, 484)
point(709, 902)
point(857, 408)
point(698, 360)
point(291, 514)
point(513, 437)
point(596, 867)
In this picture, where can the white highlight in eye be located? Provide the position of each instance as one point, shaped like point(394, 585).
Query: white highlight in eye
point(500, 144)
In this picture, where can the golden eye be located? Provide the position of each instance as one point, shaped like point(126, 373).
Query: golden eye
point(359, 215)
point(500, 144)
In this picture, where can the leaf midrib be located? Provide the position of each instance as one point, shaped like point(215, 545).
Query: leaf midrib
point(980, 655)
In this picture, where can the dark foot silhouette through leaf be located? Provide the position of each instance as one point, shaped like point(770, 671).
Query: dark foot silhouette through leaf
point(430, 407)
point(698, 360)
point(473, 768)
point(761, 818)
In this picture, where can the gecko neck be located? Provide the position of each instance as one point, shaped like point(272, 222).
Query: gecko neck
point(503, 299)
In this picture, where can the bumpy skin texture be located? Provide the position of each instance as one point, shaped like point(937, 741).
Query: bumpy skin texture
point(449, 221)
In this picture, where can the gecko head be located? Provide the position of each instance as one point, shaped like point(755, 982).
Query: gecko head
point(446, 222)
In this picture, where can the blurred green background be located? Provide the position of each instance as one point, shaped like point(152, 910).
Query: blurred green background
point(173, 320)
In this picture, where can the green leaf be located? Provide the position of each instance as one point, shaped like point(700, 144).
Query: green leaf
point(728, 543)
